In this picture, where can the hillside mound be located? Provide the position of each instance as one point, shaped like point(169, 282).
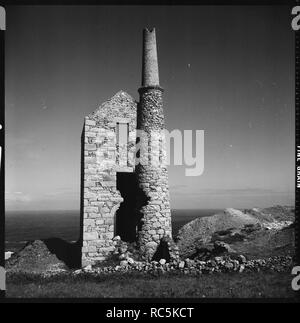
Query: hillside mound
point(252, 231)
point(35, 257)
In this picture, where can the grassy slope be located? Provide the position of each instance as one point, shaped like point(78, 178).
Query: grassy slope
point(267, 244)
point(253, 285)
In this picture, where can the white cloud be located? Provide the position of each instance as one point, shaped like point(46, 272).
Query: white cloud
point(12, 197)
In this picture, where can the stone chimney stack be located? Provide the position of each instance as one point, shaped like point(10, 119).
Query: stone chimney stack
point(152, 174)
point(150, 75)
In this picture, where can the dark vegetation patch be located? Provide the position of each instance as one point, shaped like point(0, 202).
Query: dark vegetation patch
point(231, 285)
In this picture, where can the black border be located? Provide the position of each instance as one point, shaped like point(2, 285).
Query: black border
point(145, 304)
point(297, 140)
point(2, 171)
point(149, 2)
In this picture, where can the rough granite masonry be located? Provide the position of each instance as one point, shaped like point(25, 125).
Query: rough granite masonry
point(117, 196)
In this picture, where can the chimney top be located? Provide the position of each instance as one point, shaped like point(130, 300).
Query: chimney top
point(150, 75)
point(149, 30)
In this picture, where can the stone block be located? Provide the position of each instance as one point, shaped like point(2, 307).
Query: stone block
point(104, 210)
point(151, 245)
point(89, 184)
point(89, 134)
point(90, 236)
point(94, 215)
point(90, 147)
point(156, 202)
point(91, 209)
point(107, 236)
point(109, 221)
point(89, 122)
point(89, 222)
point(85, 262)
point(92, 249)
point(84, 249)
point(156, 224)
point(108, 183)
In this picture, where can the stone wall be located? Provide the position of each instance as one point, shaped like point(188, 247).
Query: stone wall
point(102, 159)
point(154, 200)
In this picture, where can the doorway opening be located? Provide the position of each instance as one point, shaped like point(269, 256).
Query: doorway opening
point(126, 221)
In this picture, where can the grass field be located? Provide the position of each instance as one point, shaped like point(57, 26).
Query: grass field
point(231, 285)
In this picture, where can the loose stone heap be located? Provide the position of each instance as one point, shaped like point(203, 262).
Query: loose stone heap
point(128, 253)
point(222, 264)
point(152, 174)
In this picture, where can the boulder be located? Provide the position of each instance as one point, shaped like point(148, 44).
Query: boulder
point(221, 247)
point(181, 264)
point(162, 261)
point(124, 263)
point(88, 268)
point(242, 259)
point(130, 260)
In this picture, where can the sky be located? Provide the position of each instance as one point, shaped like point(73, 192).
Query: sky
point(226, 70)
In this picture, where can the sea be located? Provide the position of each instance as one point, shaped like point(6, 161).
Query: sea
point(24, 226)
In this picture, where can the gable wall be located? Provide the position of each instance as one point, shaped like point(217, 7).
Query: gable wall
point(102, 159)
